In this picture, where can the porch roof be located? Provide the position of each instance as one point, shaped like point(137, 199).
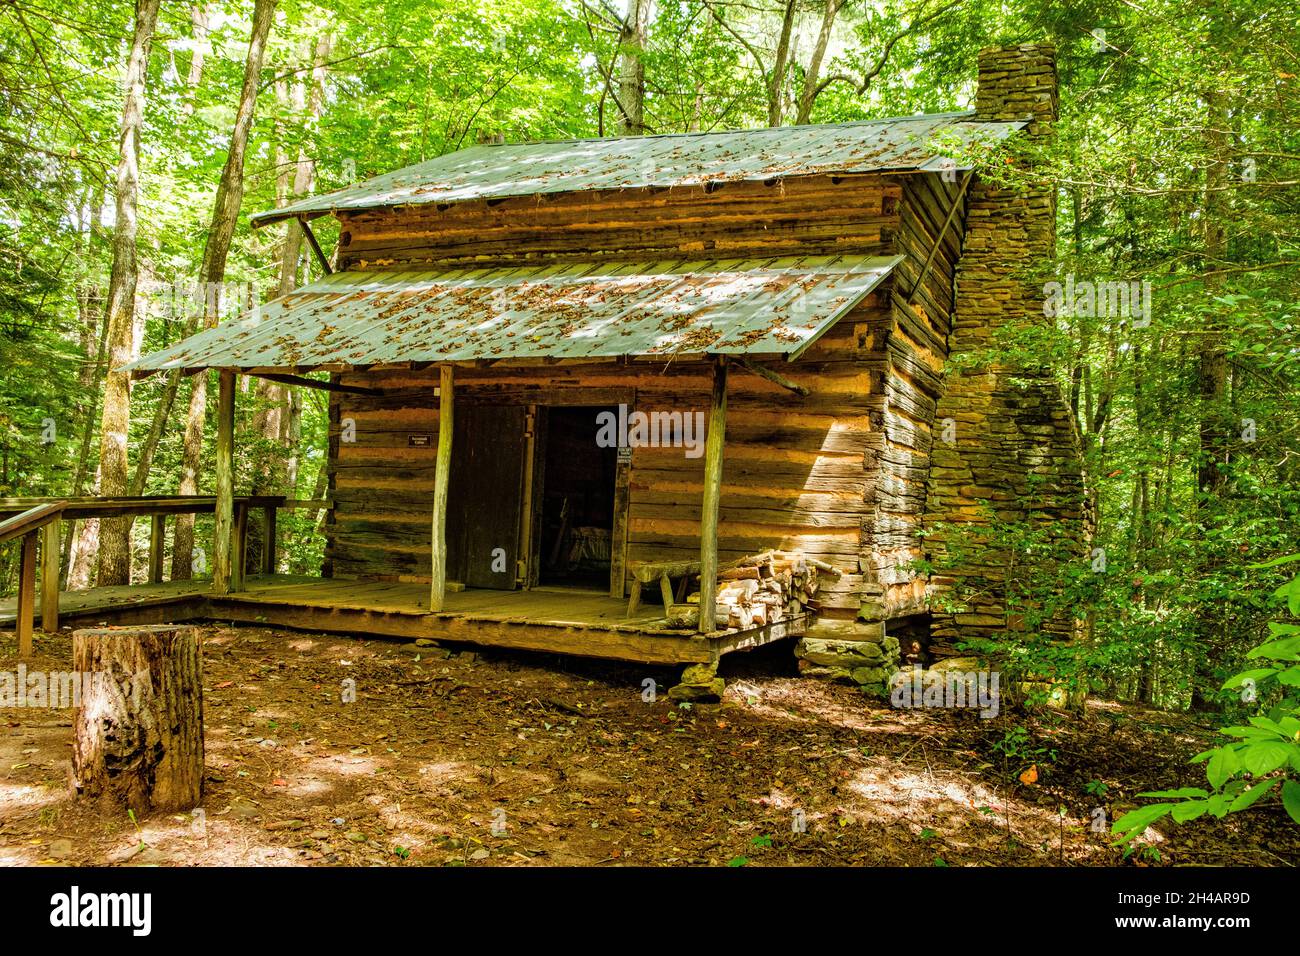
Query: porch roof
point(770, 307)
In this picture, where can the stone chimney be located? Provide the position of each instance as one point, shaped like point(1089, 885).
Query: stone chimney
point(1014, 461)
point(1018, 83)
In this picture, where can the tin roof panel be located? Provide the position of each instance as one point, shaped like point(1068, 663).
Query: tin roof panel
point(679, 159)
point(571, 311)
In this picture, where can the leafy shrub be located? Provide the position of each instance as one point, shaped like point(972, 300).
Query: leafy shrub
point(1266, 749)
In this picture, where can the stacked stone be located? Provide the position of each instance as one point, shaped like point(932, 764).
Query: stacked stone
point(849, 651)
point(700, 684)
point(1016, 457)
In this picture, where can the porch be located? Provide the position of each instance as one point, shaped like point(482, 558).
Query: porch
point(561, 620)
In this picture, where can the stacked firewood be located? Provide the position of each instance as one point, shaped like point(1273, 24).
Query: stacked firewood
point(758, 590)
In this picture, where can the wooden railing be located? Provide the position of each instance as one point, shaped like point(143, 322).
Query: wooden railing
point(28, 517)
point(41, 521)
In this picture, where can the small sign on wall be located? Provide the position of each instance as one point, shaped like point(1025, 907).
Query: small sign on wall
point(625, 454)
point(419, 441)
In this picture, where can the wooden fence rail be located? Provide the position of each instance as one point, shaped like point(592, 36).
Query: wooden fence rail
point(30, 518)
point(40, 521)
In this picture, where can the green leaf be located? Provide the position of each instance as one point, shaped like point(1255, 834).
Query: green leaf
point(1265, 757)
point(1223, 764)
point(1287, 559)
point(1290, 677)
point(1135, 821)
point(1287, 649)
point(1253, 795)
point(1219, 804)
point(1249, 733)
point(738, 861)
point(1258, 674)
point(1189, 810)
point(1179, 794)
point(1291, 799)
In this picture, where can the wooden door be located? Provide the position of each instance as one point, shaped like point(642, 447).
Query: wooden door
point(485, 496)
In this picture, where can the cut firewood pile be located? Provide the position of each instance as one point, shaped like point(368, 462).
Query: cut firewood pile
point(757, 590)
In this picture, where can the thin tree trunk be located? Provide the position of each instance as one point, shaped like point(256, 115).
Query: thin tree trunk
point(114, 544)
point(199, 30)
point(808, 95)
point(776, 82)
point(631, 69)
point(92, 370)
point(199, 19)
point(230, 194)
point(1212, 384)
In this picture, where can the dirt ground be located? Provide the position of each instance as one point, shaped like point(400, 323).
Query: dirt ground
point(478, 758)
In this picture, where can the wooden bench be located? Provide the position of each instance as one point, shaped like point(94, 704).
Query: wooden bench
point(647, 572)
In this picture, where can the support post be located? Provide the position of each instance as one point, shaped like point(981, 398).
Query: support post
point(438, 564)
point(223, 525)
point(315, 246)
point(268, 540)
point(713, 448)
point(157, 536)
point(50, 577)
point(26, 593)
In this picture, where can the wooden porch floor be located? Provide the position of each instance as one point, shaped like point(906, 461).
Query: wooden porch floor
point(562, 620)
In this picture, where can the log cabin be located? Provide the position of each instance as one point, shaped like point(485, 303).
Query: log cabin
point(721, 365)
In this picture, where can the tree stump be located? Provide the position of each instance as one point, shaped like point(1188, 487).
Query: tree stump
point(139, 729)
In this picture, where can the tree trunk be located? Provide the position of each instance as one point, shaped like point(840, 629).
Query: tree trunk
point(78, 571)
point(200, 29)
point(1212, 383)
point(199, 19)
point(225, 213)
point(808, 95)
point(138, 733)
point(631, 69)
point(114, 533)
point(776, 82)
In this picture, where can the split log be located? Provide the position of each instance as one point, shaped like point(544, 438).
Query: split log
point(139, 730)
point(756, 590)
point(684, 615)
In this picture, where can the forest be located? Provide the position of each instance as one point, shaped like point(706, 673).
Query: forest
point(138, 138)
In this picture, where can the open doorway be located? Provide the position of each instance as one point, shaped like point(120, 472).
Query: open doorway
point(575, 529)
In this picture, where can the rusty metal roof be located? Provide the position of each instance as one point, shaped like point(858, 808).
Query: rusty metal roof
point(679, 159)
point(774, 307)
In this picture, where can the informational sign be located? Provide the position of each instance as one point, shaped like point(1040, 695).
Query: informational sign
point(419, 441)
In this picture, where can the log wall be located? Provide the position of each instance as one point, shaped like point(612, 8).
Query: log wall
point(793, 475)
point(913, 355)
point(814, 215)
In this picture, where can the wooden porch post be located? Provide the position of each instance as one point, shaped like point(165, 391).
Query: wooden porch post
point(438, 565)
point(268, 540)
point(26, 593)
point(223, 533)
point(239, 547)
point(157, 536)
point(713, 447)
point(50, 577)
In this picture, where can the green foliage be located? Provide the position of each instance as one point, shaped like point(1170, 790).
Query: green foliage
point(1019, 746)
point(1265, 754)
